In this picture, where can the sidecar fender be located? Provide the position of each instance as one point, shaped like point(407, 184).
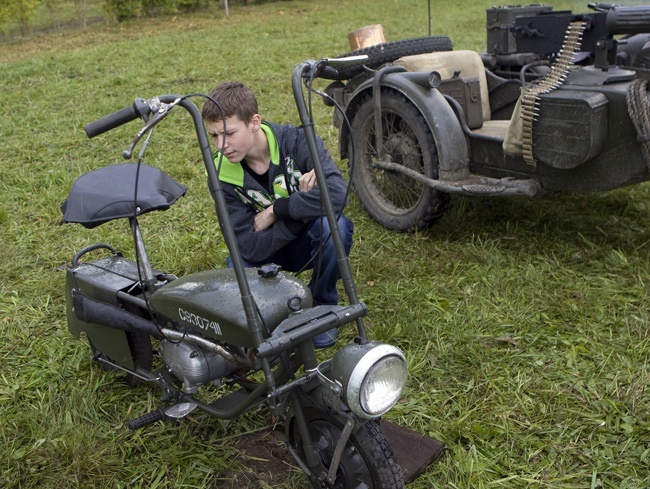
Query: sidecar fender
point(452, 147)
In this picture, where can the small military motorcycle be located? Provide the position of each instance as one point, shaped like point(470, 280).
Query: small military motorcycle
point(249, 330)
point(559, 103)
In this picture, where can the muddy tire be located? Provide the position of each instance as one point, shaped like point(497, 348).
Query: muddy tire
point(390, 51)
point(368, 460)
point(394, 200)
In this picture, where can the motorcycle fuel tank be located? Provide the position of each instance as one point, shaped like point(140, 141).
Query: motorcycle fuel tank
point(209, 302)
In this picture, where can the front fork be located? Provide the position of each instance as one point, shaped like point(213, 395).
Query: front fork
point(326, 397)
point(310, 460)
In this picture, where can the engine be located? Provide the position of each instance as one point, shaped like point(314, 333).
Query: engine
point(193, 365)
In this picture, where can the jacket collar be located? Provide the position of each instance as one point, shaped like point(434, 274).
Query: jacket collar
point(233, 173)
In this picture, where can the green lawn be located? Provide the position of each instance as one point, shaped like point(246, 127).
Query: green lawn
point(525, 322)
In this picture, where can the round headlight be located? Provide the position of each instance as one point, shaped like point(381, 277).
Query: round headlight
point(372, 376)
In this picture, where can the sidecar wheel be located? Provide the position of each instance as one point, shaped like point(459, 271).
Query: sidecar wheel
point(368, 460)
point(390, 51)
point(393, 199)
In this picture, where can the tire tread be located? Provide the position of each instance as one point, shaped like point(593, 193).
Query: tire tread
point(390, 51)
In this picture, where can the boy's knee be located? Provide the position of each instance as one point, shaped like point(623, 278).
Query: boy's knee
point(347, 230)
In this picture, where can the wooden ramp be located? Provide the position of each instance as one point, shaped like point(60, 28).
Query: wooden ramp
point(414, 451)
point(267, 460)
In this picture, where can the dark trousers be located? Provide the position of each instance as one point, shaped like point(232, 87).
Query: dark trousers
point(294, 256)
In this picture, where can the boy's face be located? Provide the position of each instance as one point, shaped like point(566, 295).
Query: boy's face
point(239, 136)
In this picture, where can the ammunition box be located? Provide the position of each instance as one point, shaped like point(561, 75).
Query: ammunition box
point(467, 92)
point(572, 128)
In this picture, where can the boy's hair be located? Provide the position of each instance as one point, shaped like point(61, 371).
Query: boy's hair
point(234, 98)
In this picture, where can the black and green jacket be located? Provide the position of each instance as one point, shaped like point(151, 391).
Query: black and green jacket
point(245, 196)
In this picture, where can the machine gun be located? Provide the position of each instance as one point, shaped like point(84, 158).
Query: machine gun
point(532, 35)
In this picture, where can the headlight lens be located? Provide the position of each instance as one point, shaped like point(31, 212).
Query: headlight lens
point(383, 385)
point(372, 376)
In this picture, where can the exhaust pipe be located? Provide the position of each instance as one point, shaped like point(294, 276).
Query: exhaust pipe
point(92, 311)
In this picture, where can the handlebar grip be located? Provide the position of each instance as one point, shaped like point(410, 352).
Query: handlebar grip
point(111, 121)
point(329, 72)
point(628, 20)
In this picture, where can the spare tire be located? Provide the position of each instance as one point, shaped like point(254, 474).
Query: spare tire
point(387, 52)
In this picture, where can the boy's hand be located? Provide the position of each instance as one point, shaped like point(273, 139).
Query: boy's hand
point(307, 181)
point(264, 219)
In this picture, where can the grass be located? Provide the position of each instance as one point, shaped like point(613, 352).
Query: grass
point(525, 322)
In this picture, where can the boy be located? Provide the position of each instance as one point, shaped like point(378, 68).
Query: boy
point(271, 193)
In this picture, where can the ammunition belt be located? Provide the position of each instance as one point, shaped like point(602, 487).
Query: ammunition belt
point(530, 100)
point(637, 99)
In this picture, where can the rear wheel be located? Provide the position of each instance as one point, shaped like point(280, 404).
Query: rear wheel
point(393, 199)
point(367, 461)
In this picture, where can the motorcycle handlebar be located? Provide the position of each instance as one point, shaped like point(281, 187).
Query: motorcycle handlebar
point(628, 20)
point(328, 67)
point(116, 119)
point(142, 109)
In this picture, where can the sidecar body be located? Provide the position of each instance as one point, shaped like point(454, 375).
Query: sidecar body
point(432, 124)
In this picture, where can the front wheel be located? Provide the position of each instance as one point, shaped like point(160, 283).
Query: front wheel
point(367, 462)
point(394, 199)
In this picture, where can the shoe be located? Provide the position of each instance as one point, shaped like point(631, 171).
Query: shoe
point(327, 339)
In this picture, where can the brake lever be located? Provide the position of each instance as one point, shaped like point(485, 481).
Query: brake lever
point(160, 112)
point(345, 61)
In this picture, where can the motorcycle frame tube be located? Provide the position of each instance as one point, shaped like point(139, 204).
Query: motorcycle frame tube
point(309, 452)
point(216, 191)
point(258, 395)
point(143, 257)
point(302, 71)
point(253, 398)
